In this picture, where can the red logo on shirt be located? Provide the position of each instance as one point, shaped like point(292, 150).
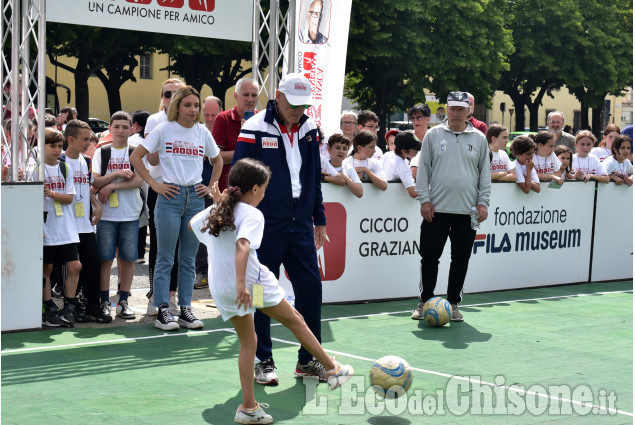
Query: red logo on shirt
point(332, 255)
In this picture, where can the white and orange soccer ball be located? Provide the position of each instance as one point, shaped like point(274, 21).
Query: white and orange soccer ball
point(391, 376)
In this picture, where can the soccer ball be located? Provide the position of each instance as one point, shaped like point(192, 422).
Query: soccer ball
point(437, 311)
point(391, 376)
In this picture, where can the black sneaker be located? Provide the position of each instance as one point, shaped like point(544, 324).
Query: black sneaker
point(51, 317)
point(165, 321)
point(99, 313)
point(312, 369)
point(264, 372)
point(187, 319)
point(69, 315)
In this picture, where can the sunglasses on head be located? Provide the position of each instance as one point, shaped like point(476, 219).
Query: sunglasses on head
point(299, 106)
point(167, 94)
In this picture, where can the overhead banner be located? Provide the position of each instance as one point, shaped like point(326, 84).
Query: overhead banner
point(224, 19)
point(320, 45)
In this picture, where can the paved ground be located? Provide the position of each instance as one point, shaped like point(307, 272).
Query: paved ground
point(202, 303)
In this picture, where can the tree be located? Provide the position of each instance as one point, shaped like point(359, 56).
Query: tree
point(217, 63)
point(543, 33)
point(396, 48)
point(606, 55)
point(97, 50)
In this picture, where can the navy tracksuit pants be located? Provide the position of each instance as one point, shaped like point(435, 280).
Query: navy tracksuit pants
point(296, 251)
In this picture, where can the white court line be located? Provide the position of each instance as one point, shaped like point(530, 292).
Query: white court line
point(476, 381)
point(431, 372)
point(166, 335)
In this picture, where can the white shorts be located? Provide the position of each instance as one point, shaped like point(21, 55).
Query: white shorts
point(225, 296)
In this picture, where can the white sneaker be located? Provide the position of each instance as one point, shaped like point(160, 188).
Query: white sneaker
point(417, 314)
point(152, 310)
point(255, 416)
point(339, 375)
point(174, 306)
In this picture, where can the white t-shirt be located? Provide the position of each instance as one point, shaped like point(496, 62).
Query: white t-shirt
point(151, 123)
point(59, 230)
point(221, 253)
point(181, 151)
point(327, 167)
point(414, 162)
point(588, 165)
point(500, 162)
point(372, 164)
point(350, 172)
point(521, 171)
point(378, 153)
point(395, 168)
point(135, 140)
point(129, 200)
point(547, 165)
point(294, 159)
point(82, 180)
point(600, 153)
point(613, 167)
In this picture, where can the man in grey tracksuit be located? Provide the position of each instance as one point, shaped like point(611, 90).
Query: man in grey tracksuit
point(453, 177)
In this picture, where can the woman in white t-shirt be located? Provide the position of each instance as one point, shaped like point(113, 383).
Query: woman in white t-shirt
point(168, 88)
point(232, 230)
point(181, 144)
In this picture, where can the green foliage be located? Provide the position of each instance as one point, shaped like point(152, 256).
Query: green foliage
point(396, 48)
point(200, 61)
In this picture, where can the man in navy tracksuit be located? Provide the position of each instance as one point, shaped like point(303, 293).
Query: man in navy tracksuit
point(286, 139)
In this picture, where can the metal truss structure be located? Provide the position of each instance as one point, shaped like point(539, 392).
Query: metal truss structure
point(23, 25)
point(273, 44)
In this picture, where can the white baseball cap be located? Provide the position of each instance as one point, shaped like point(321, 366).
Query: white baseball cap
point(297, 89)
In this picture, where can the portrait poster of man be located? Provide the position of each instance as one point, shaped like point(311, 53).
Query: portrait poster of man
point(315, 21)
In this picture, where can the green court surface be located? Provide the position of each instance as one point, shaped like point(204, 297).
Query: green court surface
point(530, 356)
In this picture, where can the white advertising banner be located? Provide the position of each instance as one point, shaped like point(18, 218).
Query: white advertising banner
point(613, 244)
point(372, 244)
point(224, 19)
point(320, 49)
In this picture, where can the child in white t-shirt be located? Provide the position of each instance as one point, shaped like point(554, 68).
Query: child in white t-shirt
point(565, 156)
point(501, 167)
point(330, 174)
point(618, 167)
point(546, 163)
point(232, 229)
point(526, 177)
point(366, 166)
point(118, 186)
point(587, 167)
point(604, 150)
point(78, 138)
point(338, 147)
point(60, 231)
point(395, 167)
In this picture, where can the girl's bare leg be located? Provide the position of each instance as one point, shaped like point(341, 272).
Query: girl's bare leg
point(290, 318)
point(244, 326)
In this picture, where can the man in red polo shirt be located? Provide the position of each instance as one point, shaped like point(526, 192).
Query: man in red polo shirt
point(479, 125)
point(228, 124)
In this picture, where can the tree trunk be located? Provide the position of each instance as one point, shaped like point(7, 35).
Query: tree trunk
point(596, 122)
point(584, 115)
point(519, 111)
point(82, 98)
point(381, 114)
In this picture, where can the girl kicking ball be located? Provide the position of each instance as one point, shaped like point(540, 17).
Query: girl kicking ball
point(232, 229)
